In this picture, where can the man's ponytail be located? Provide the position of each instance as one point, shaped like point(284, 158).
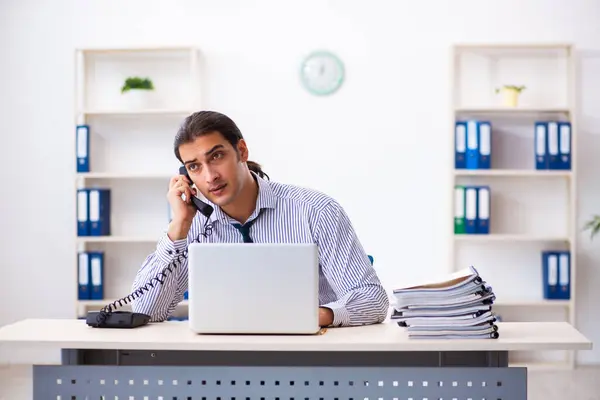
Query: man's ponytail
point(257, 169)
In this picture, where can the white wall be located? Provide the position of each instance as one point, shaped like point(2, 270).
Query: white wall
point(369, 146)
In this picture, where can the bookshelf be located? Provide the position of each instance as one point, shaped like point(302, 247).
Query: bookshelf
point(530, 210)
point(130, 142)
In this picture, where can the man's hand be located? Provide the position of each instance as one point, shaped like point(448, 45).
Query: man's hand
point(183, 211)
point(325, 316)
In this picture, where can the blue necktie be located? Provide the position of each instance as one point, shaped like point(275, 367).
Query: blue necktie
point(245, 230)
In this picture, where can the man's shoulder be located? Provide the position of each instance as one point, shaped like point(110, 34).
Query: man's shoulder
point(302, 196)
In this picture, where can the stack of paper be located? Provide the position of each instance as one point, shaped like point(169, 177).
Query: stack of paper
point(458, 306)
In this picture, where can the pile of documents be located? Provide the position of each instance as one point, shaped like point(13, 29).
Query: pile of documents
point(458, 306)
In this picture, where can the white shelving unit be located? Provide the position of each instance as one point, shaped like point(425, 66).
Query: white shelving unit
point(531, 210)
point(131, 151)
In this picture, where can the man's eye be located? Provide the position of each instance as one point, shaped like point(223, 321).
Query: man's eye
point(216, 156)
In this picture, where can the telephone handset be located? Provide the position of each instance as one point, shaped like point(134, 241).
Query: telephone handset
point(201, 206)
point(107, 318)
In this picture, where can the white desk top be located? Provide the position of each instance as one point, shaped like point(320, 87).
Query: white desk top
point(175, 335)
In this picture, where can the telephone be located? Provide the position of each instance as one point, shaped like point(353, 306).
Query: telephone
point(107, 318)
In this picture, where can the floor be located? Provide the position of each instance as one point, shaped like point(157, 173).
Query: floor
point(580, 384)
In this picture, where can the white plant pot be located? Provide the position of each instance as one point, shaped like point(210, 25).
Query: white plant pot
point(138, 99)
point(510, 97)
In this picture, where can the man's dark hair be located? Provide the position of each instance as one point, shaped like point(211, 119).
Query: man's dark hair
point(205, 122)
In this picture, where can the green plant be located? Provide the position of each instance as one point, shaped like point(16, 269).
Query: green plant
point(517, 89)
point(593, 226)
point(135, 82)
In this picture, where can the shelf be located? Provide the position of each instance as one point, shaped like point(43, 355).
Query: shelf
point(116, 239)
point(541, 365)
point(525, 173)
point(158, 111)
point(122, 175)
point(500, 237)
point(512, 110)
point(532, 303)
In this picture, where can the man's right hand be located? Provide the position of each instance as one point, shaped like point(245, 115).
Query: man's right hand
point(183, 211)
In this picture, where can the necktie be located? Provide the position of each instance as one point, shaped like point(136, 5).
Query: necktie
point(245, 230)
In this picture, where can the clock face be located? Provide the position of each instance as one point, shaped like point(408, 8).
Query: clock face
point(322, 73)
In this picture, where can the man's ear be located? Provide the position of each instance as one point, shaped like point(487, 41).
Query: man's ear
point(242, 150)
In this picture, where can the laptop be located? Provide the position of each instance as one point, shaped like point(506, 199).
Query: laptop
point(253, 288)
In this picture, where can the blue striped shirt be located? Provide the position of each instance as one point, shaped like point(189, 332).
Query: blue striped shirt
point(348, 284)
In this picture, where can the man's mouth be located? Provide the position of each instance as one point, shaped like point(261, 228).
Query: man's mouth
point(217, 188)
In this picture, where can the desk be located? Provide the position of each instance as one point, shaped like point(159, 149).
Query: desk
point(167, 361)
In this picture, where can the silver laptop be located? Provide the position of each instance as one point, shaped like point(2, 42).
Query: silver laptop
point(253, 288)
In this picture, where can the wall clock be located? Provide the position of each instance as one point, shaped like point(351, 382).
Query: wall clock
point(322, 73)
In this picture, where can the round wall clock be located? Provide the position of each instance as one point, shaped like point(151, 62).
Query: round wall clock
point(322, 73)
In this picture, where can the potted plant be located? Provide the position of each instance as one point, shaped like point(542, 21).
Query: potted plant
point(593, 225)
point(510, 94)
point(138, 91)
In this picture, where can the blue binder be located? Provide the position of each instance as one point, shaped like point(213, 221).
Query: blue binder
point(96, 273)
point(541, 145)
point(470, 209)
point(553, 145)
point(564, 140)
point(550, 274)
point(564, 275)
point(82, 144)
point(83, 276)
point(483, 209)
point(83, 212)
point(460, 145)
point(99, 215)
point(472, 145)
point(485, 145)
point(186, 295)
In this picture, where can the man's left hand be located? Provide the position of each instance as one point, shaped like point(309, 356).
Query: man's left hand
point(325, 316)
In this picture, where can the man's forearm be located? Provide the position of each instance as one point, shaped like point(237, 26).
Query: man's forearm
point(362, 306)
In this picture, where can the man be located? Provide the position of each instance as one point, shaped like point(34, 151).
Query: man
point(215, 155)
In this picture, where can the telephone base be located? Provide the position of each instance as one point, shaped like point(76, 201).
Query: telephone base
point(117, 319)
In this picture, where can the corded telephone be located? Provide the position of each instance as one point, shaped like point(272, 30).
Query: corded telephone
point(107, 318)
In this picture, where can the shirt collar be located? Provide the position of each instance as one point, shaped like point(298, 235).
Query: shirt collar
point(266, 199)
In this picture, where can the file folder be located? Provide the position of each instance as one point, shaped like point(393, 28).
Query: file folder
point(460, 145)
point(472, 145)
point(541, 145)
point(96, 274)
point(459, 209)
point(82, 144)
point(83, 213)
point(83, 276)
point(564, 275)
point(550, 274)
point(470, 209)
point(553, 146)
point(565, 145)
point(483, 209)
point(485, 145)
point(99, 214)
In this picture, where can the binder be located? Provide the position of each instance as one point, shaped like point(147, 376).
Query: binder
point(460, 145)
point(83, 212)
point(483, 209)
point(99, 214)
point(186, 295)
point(82, 144)
point(485, 145)
point(564, 275)
point(470, 209)
point(97, 275)
point(83, 276)
point(472, 145)
point(541, 145)
point(553, 146)
point(564, 140)
point(550, 274)
point(459, 209)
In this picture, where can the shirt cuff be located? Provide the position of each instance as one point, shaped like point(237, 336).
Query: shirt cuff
point(341, 316)
point(168, 249)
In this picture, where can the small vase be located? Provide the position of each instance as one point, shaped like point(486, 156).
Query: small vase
point(510, 97)
point(137, 99)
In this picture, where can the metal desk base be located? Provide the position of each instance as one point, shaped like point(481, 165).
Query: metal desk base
point(219, 375)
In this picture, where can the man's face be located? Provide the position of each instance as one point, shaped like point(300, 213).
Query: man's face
point(215, 166)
